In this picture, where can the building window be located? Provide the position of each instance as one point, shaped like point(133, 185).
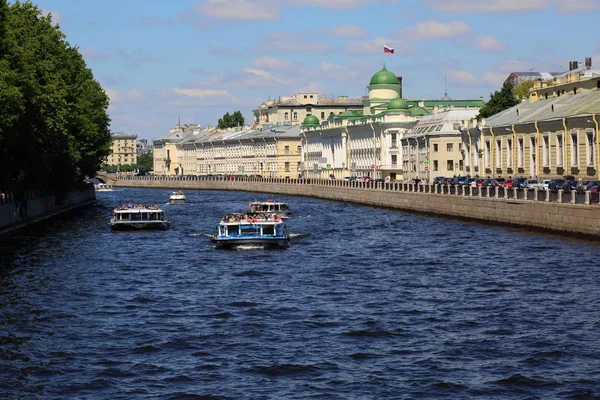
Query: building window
point(286, 116)
point(308, 109)
point(520, 153)
point(305, 96)
point(598, 84)
point(546, 151)
point(498, 153)
point(394, 160)
point(435, 148)
point(461, 165)
point(311, 96)
point(322, 114)
point(559, 150)
point(574, 150)
point(590, 148)
point(450, 165)
point(488, 154)
point(393, 138)
point(287, 167)
point(435, 165)
point(449, 147)
point(299, 149)
point(509, 153)
point(287, 149)
point(295, 116)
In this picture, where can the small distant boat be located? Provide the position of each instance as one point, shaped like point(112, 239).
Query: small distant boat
point(269, 207)
point(103, 187)
point(259, 229)
point(177, 198)
point(138, 216)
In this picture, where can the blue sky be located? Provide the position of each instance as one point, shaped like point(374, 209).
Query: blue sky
point(159, 59)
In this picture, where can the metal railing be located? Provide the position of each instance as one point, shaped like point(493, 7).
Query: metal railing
point(500, 193)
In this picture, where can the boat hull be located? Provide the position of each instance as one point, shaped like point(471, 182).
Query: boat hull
point(139, 225)
point(222, 243)
point(176, 201)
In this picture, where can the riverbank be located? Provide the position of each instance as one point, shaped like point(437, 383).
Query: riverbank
point(18, 215)
point(543, 211)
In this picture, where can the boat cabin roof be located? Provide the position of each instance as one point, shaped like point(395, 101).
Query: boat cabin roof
point(137, 208)
point(267, 202)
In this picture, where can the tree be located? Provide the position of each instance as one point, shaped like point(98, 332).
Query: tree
point(231, 121)
point(522, 90)
point(53, 121)
point(145, 162)
point(499, 101)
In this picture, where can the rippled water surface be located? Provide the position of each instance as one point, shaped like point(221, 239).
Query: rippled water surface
point(372, 304)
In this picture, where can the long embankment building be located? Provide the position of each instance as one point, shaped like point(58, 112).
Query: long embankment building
point(369, 142)
point(551, 134)
point(191, 150)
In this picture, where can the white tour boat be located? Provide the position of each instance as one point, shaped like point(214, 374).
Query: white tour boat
point(177, 198)
point(103, 187)
point(269, 207)
point(138, 216)
point(257, 229)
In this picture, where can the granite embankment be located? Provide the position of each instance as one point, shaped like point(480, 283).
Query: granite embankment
point(37, 207)
point(536, 210)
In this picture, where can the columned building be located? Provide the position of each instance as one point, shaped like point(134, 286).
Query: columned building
point(552, 134)
point(368, 142)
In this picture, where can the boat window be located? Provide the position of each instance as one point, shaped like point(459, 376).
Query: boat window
point(269, 230)
point(250, 230)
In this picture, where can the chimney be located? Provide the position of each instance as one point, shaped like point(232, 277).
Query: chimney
point(588, 62)
point(573, 65)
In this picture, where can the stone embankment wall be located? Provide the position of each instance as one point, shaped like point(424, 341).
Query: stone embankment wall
point(543, 210)
point(16, 215)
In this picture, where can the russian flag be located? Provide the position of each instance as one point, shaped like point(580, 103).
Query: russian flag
point(387, 49)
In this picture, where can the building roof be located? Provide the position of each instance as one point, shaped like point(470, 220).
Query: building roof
point(123, 135)
point(384, 77)
point(567, 105)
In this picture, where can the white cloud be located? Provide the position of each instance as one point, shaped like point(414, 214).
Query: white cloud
point(466, 78)
point(332, 4)
point(57, 17)
point(347, 31)
point(577, 6)
point(239, 10)
point(356, 70)
point(433, 30)
point(292, 42)
point(515, 66)
point(486, 6)
point(201, 92)
point(116, 96)
point(488, 43)
point(269, 62)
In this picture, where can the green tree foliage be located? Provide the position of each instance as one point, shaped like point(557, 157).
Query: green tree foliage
point(145, 162)
point(231, 121)
point(522, 90)
point(499, 101)
point(53, 121)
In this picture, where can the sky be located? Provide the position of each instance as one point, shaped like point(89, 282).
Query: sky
point(161, 60)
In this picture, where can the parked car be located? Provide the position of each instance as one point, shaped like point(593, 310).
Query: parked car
point(556, 184)
point(477, 182)
point(569, 185)
point(591, 184)
point(518, 182)
point(438, 180)
point(544, 184)
point(488, 183)
point(500, 182)
point(531, 184)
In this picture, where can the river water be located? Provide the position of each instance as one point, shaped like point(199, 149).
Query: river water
point(367, 303)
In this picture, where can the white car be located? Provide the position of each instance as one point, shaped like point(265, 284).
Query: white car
point(544, 184)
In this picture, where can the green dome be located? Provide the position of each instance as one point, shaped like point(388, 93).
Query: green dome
point(310, 120)
point(384, 77)
point(397, 104)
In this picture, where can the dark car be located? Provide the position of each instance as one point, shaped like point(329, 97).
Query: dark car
point(556, 184)
point(569, 185)
point(438, 180)
point(518, 183)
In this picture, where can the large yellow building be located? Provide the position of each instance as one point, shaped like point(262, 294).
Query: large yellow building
point(123, 149)
point(552, 134)
point(273, 152)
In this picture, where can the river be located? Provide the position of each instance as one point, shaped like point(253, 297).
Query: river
point(367, 303)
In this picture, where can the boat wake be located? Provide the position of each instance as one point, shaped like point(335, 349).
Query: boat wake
point(299, 235)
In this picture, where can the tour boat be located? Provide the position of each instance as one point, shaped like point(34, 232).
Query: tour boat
point(102, 187)
point(138, 216)
point(269, 207)
point(177, 198)
point(255, 229)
